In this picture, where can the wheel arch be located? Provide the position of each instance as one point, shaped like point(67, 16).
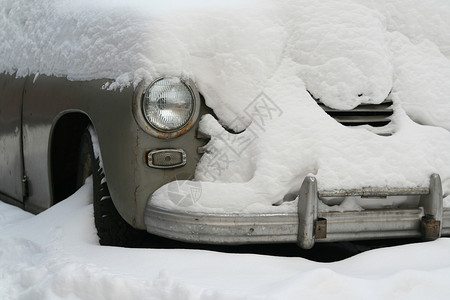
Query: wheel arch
point(64, 145)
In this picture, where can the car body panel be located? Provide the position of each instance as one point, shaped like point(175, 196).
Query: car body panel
point(11, 164)
point(123, 144)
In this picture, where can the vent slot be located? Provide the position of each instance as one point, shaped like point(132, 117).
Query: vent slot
point(375, 115)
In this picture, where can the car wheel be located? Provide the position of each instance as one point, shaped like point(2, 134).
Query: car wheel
point(112, 229)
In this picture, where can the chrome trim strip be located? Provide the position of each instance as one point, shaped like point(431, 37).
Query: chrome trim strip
point(376, 192)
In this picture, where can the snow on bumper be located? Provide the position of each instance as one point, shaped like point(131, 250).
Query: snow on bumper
point(429, 220)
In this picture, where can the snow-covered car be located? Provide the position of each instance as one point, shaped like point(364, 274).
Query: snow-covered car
point(223, 122)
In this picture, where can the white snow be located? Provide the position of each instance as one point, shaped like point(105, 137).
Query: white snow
point(55, 255)
point(244, 55)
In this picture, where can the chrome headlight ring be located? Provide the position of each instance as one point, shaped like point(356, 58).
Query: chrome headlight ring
point(166, 108)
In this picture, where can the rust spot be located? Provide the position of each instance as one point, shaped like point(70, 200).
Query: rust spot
point(430, 228)
point(321, 228)
point(171, 135)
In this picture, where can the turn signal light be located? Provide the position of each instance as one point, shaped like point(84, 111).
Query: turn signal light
point(166, 158)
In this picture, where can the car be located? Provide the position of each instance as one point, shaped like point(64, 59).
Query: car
point(49, 149)
point(155, 141)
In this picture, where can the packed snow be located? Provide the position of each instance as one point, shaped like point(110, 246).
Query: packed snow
point(56, 255)
point(244, 55)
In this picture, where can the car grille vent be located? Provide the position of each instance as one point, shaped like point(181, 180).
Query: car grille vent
point(375, 115)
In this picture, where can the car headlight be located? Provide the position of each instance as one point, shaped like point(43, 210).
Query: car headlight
point(167, 107)
point(168, 104)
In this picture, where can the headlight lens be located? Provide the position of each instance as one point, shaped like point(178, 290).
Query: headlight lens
point(168, 104)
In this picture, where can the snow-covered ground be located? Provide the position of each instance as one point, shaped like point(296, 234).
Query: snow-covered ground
point(55, 255)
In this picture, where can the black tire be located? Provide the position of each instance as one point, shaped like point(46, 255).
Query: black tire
point(112, 229)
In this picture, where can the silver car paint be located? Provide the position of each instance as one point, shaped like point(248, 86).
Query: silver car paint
point(123, 144)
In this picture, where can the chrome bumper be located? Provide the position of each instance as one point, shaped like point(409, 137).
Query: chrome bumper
point(429, 221)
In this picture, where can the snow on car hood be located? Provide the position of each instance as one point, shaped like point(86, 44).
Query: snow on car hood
point(246, 54)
